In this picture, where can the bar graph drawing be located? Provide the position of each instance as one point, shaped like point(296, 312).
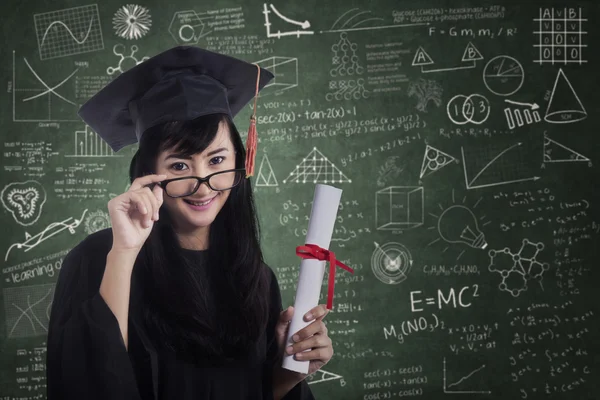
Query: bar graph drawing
point(87, 143)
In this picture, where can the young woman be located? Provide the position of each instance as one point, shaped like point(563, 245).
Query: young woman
point(175, 301)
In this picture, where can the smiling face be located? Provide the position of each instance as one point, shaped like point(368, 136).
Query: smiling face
point(192, 223)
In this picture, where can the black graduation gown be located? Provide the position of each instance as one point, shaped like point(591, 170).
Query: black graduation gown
point(87, 358)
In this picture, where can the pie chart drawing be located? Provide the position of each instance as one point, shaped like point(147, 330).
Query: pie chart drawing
point(503, 75)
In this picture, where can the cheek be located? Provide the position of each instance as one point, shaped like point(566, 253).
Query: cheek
point(223, 199)
point(169, 203)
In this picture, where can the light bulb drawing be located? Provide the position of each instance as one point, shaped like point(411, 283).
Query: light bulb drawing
point(458, 224)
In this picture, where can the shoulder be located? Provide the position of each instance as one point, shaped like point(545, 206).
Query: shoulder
point(273, 284)
point(88, 258)
point(93, 246)
point(270, 273)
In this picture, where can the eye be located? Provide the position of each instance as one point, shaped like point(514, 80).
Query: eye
point(178, 163)
point(220, 158)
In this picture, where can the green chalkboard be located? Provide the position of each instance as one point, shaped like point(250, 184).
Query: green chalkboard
point(464, 138)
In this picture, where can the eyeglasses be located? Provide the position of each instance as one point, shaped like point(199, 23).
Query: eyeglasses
point(187, 185)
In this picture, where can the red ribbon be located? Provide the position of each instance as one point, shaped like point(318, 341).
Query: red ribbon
point(315, 252)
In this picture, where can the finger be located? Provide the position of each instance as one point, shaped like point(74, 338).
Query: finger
point(145, 180)
point(158, 193)
point(153, 201)
point(137, 202)
point(322, 353)
point(315, 327)
point(283, 323)
point(286, 315)
point(318, 312)
point(313, 342)
point(143, 206)
point(153, 210)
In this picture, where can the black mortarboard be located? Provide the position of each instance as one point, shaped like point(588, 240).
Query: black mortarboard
point(182, 83)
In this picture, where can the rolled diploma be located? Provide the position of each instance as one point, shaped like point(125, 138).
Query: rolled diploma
point(320, 229)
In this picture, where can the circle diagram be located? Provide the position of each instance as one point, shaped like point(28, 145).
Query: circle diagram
point(503, 75)
point(391, 262)
point(462, 109)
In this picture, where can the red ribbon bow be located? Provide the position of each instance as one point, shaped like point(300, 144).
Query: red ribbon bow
point(315, 252)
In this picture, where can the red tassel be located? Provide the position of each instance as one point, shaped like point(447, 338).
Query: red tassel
point(251, 148)
point(252, 140)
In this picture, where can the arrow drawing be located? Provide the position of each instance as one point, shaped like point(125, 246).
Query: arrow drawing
point(304, 25)
point(533, 106)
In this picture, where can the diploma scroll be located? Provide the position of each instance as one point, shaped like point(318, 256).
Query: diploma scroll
point(326, 202)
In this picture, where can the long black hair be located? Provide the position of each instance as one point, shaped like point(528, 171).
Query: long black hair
point(220, 318)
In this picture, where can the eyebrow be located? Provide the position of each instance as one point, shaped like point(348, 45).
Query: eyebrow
point(210, 153)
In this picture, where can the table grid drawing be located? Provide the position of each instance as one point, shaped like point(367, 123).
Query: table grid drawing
point(68, 31)
point(560, 36)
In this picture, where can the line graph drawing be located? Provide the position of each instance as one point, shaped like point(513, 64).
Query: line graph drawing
point(266, 176)
point(24, 200)
point(464, 378)
point(470, 183)
point(68, 31)
point(87, 143)
point(469, 59)
point(34, 103)
point(316, 168)
point(51, 230)
point(304, 25)
point(353, 14)
point(28, 310)
point(555, 152)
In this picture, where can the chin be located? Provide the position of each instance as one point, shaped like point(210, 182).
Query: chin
point(200, 219)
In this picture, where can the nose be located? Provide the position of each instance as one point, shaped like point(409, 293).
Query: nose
point(203, 189)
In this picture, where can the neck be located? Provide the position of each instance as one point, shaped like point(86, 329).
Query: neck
point(194, 240)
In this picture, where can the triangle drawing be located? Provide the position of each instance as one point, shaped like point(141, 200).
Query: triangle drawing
point(421, 58)
point(557, 152)
point(564, 105)
point(266, 176)
point(322, 376)
point(316, 168)
point(471, 53)
point(434, 160)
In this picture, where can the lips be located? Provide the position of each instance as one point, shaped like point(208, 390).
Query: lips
point(198, 202)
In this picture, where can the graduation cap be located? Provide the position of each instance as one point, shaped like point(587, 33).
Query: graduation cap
point(182, 83)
